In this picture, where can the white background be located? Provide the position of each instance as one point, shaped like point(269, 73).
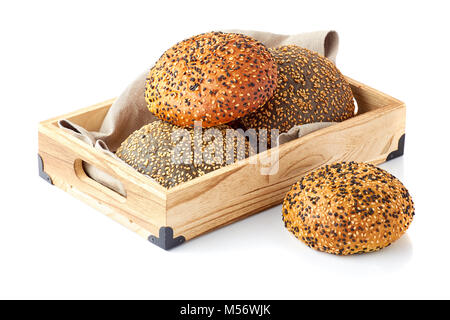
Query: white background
point(56, 57)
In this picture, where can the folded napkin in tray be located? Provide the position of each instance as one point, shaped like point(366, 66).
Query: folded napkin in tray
point(129, 111)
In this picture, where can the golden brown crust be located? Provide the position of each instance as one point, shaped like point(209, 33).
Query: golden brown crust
point(310, 89)
point(213, 77)
point(348, 208)
point(150, 151)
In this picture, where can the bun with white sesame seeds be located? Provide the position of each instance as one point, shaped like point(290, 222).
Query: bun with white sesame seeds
point(310, 89)
point(213, 77)
point(348, 208)
point(170, 157)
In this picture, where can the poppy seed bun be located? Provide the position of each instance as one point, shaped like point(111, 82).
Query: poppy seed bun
point(213, 77)
point(310, 89)
point(150, 151)
point(348, 208)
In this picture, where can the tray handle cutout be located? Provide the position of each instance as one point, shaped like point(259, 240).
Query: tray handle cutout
point(111, 186)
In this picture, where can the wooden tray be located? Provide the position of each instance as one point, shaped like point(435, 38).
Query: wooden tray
point(168, 217)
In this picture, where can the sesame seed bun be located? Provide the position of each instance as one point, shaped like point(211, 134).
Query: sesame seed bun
point(310, 89)
point(213, 77)
point(348, 208)
point(150, 151)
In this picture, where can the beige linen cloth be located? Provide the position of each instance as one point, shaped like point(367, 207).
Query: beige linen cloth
point(129, 111)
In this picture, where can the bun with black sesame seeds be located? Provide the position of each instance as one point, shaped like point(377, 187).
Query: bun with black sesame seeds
point(310, 89)
point(348, 208)
point(153, 150)
point(213, 77)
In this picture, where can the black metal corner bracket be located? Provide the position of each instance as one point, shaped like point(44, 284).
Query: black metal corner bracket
point(400, 149)
point(166, 240)
point(42, 173)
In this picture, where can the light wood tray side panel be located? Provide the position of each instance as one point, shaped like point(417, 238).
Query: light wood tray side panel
point(90, 118)
point(145, 203)
point(225, 195)
point(370, 99)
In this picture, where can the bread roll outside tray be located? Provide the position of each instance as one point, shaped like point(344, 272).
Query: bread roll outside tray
point(150, 151)
point(213, 77)
point(310, 89)
point(348, 208)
